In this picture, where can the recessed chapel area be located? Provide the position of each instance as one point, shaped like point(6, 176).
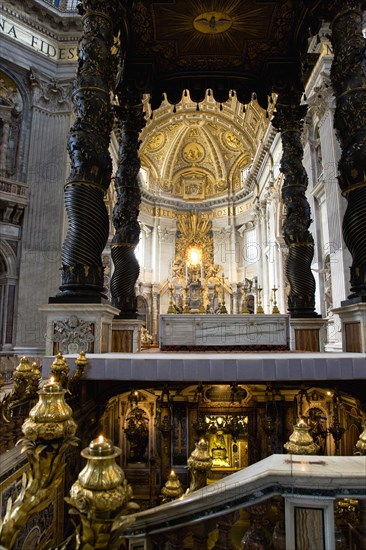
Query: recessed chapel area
point(182, 275)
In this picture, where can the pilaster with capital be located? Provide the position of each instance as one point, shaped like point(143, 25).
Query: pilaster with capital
point(348, 77)
point(288, 119)
point(91, 166)
point(41, 152)
point(126, 210)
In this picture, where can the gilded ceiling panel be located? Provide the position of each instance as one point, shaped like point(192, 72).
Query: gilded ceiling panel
point(199, 154)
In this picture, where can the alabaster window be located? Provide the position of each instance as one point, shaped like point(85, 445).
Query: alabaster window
point(245, 173)
point(144, 180)
point(139, 250)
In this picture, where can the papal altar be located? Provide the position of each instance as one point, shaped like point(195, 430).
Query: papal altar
point(241, 332)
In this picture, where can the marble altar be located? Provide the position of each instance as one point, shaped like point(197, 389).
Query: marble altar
point(242, 332)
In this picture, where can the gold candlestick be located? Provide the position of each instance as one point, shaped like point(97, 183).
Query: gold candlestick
point(259, 305)
point(186, 306)
point(171, 308)
point(244, 306)
point(202, 306)
point(222, 306)
point(275, 308)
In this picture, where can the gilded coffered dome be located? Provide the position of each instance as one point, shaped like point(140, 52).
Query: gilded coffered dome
point(194, 153)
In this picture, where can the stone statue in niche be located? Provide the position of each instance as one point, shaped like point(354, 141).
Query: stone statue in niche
point(327, 278)
point(318, 427)
point(219, 450)
point(73, 335)
point(137, 434)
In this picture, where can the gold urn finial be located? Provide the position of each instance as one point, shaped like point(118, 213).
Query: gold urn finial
point(35, 379)
point(26, 379)
point(199, 463)
point(101, 496)
point(60, 370)
point(22, 376)
point(51, 417)
point(81, 360)
point(172, 489)
point(300, 441)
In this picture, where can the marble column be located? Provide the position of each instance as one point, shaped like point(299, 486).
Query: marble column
point(91, 165)
point(288, 119)
point(126, 210)
point(349, 83)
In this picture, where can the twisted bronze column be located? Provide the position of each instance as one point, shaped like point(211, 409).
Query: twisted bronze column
point(126, 209)
point(348, 75)
point(91, 166)
point(288, 119)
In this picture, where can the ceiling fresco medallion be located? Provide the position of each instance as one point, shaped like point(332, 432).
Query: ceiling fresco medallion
point(193, 152)
point(231, 141)
point(212, 22)
point(156, 141)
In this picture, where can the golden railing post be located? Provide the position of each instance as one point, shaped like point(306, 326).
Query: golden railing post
point(60, 369)
point(49, 430)
point(26, 378)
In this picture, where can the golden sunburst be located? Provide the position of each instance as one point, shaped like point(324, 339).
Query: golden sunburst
point(204, 22)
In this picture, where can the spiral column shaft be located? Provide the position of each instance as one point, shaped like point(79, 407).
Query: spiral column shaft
point(91, 166)
point(126, 209)
point(348, 75)
point(288, 120)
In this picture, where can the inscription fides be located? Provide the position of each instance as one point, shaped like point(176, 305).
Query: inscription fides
point(42, 45)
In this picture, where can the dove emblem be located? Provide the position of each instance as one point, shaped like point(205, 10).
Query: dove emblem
point(212, 22)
